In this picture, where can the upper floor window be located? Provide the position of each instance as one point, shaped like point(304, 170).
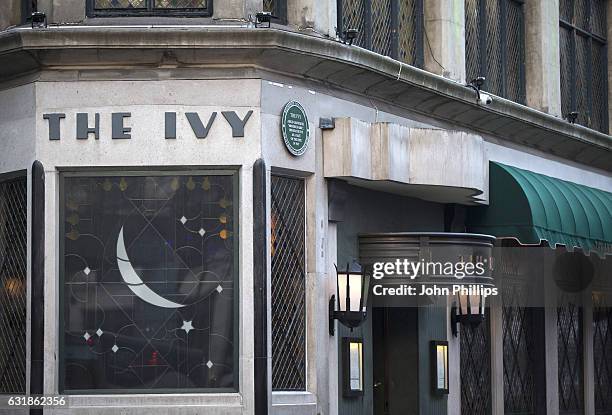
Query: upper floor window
point(495, 46)
point(97, 8)
point(278, 8)
point(584, 69)
point(390, 27)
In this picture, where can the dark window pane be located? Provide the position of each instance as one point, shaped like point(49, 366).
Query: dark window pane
point(495, 66)
point(408, 31)
point(148, 276)
point(119, 4)
point(472, 39)
point(475, 368)
point(13, 269)
point(583, 80)
point(584, 66)
point(515, 53)
point(602, 355)
point(599, 18)
point(566, 10)
point(180, 4)
point(599, 115)
point(288, 284)
point(381, 27)
point(495, 46)
point(353, 17)
point(518, 352)
point(581, 13)
point(566, 52)
point(569, 326)
point(386, 27)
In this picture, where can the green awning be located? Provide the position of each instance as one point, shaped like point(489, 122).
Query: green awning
point(532, 208)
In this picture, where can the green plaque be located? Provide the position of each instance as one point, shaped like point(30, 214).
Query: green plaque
point(296, 131)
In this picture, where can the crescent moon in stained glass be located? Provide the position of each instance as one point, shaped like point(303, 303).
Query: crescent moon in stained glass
point(135, 283)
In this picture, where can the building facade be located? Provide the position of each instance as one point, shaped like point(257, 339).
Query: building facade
point(181, 180)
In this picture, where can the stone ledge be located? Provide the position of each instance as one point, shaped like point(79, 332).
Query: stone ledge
point(357, 70)
point(433, 164)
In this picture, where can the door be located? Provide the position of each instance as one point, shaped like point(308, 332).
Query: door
point(395, 347)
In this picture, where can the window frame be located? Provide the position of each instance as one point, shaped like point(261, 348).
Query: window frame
point(143, 172)
point(149, 10)
point(574, 30)
point(419, 58)
point(305, 316)
point(20, 177)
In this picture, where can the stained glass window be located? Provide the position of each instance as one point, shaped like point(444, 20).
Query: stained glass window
point(148, 274)
point(149, 7)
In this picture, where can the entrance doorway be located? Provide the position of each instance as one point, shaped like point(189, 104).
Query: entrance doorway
point(395, 357)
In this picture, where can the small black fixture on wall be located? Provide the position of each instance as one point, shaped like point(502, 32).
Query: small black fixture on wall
point(439, 366)
point(471, 310)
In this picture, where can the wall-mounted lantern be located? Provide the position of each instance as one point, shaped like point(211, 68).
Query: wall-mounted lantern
point(439, 366)
point(471, 310)
point(352, 297)
point(352, 363)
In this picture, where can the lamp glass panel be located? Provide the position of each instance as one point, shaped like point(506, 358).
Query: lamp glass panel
point(356, 366)
point(463, 304)
point(474, 305)
point(366, 291)
point(442, 366)
point(355, 289)
point(342, 287)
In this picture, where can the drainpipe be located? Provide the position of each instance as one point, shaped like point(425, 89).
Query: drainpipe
point(260, 295)
point(37, 305)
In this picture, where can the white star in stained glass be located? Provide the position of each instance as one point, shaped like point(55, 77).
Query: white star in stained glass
point(202, 232)
point(219, 288)
point(86, 270)
point(187, 326)
point(99, 332)
point(114, 348)
point(86, 336)
point(183, 220)
point(209, 364)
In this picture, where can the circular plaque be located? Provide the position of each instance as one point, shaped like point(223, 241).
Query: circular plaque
point(296, 131)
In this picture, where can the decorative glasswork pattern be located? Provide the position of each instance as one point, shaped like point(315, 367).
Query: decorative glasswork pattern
point(519, 352)
point(148, 277)
point(569, 328)
point(584, 68)
point(475, 368)
point(13, 270)
point(120, 4)
point(602, 355)
point(180, 4)
point(389, 27)
point(495, 46)
point(288, 284)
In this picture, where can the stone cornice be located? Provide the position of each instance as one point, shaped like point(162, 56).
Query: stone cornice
point(354, 69)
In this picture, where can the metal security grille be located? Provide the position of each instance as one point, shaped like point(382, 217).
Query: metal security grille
point(148, 7)
point(569, 329)
point(475, 369)
point(582, 44)
point(288, 284)
point(519, 353)
point(602, 355)
point(390, 27)
point(495, 46)
point(278, 8)
point(13, 234)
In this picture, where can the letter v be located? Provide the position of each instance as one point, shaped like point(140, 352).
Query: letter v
point(196, 124)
